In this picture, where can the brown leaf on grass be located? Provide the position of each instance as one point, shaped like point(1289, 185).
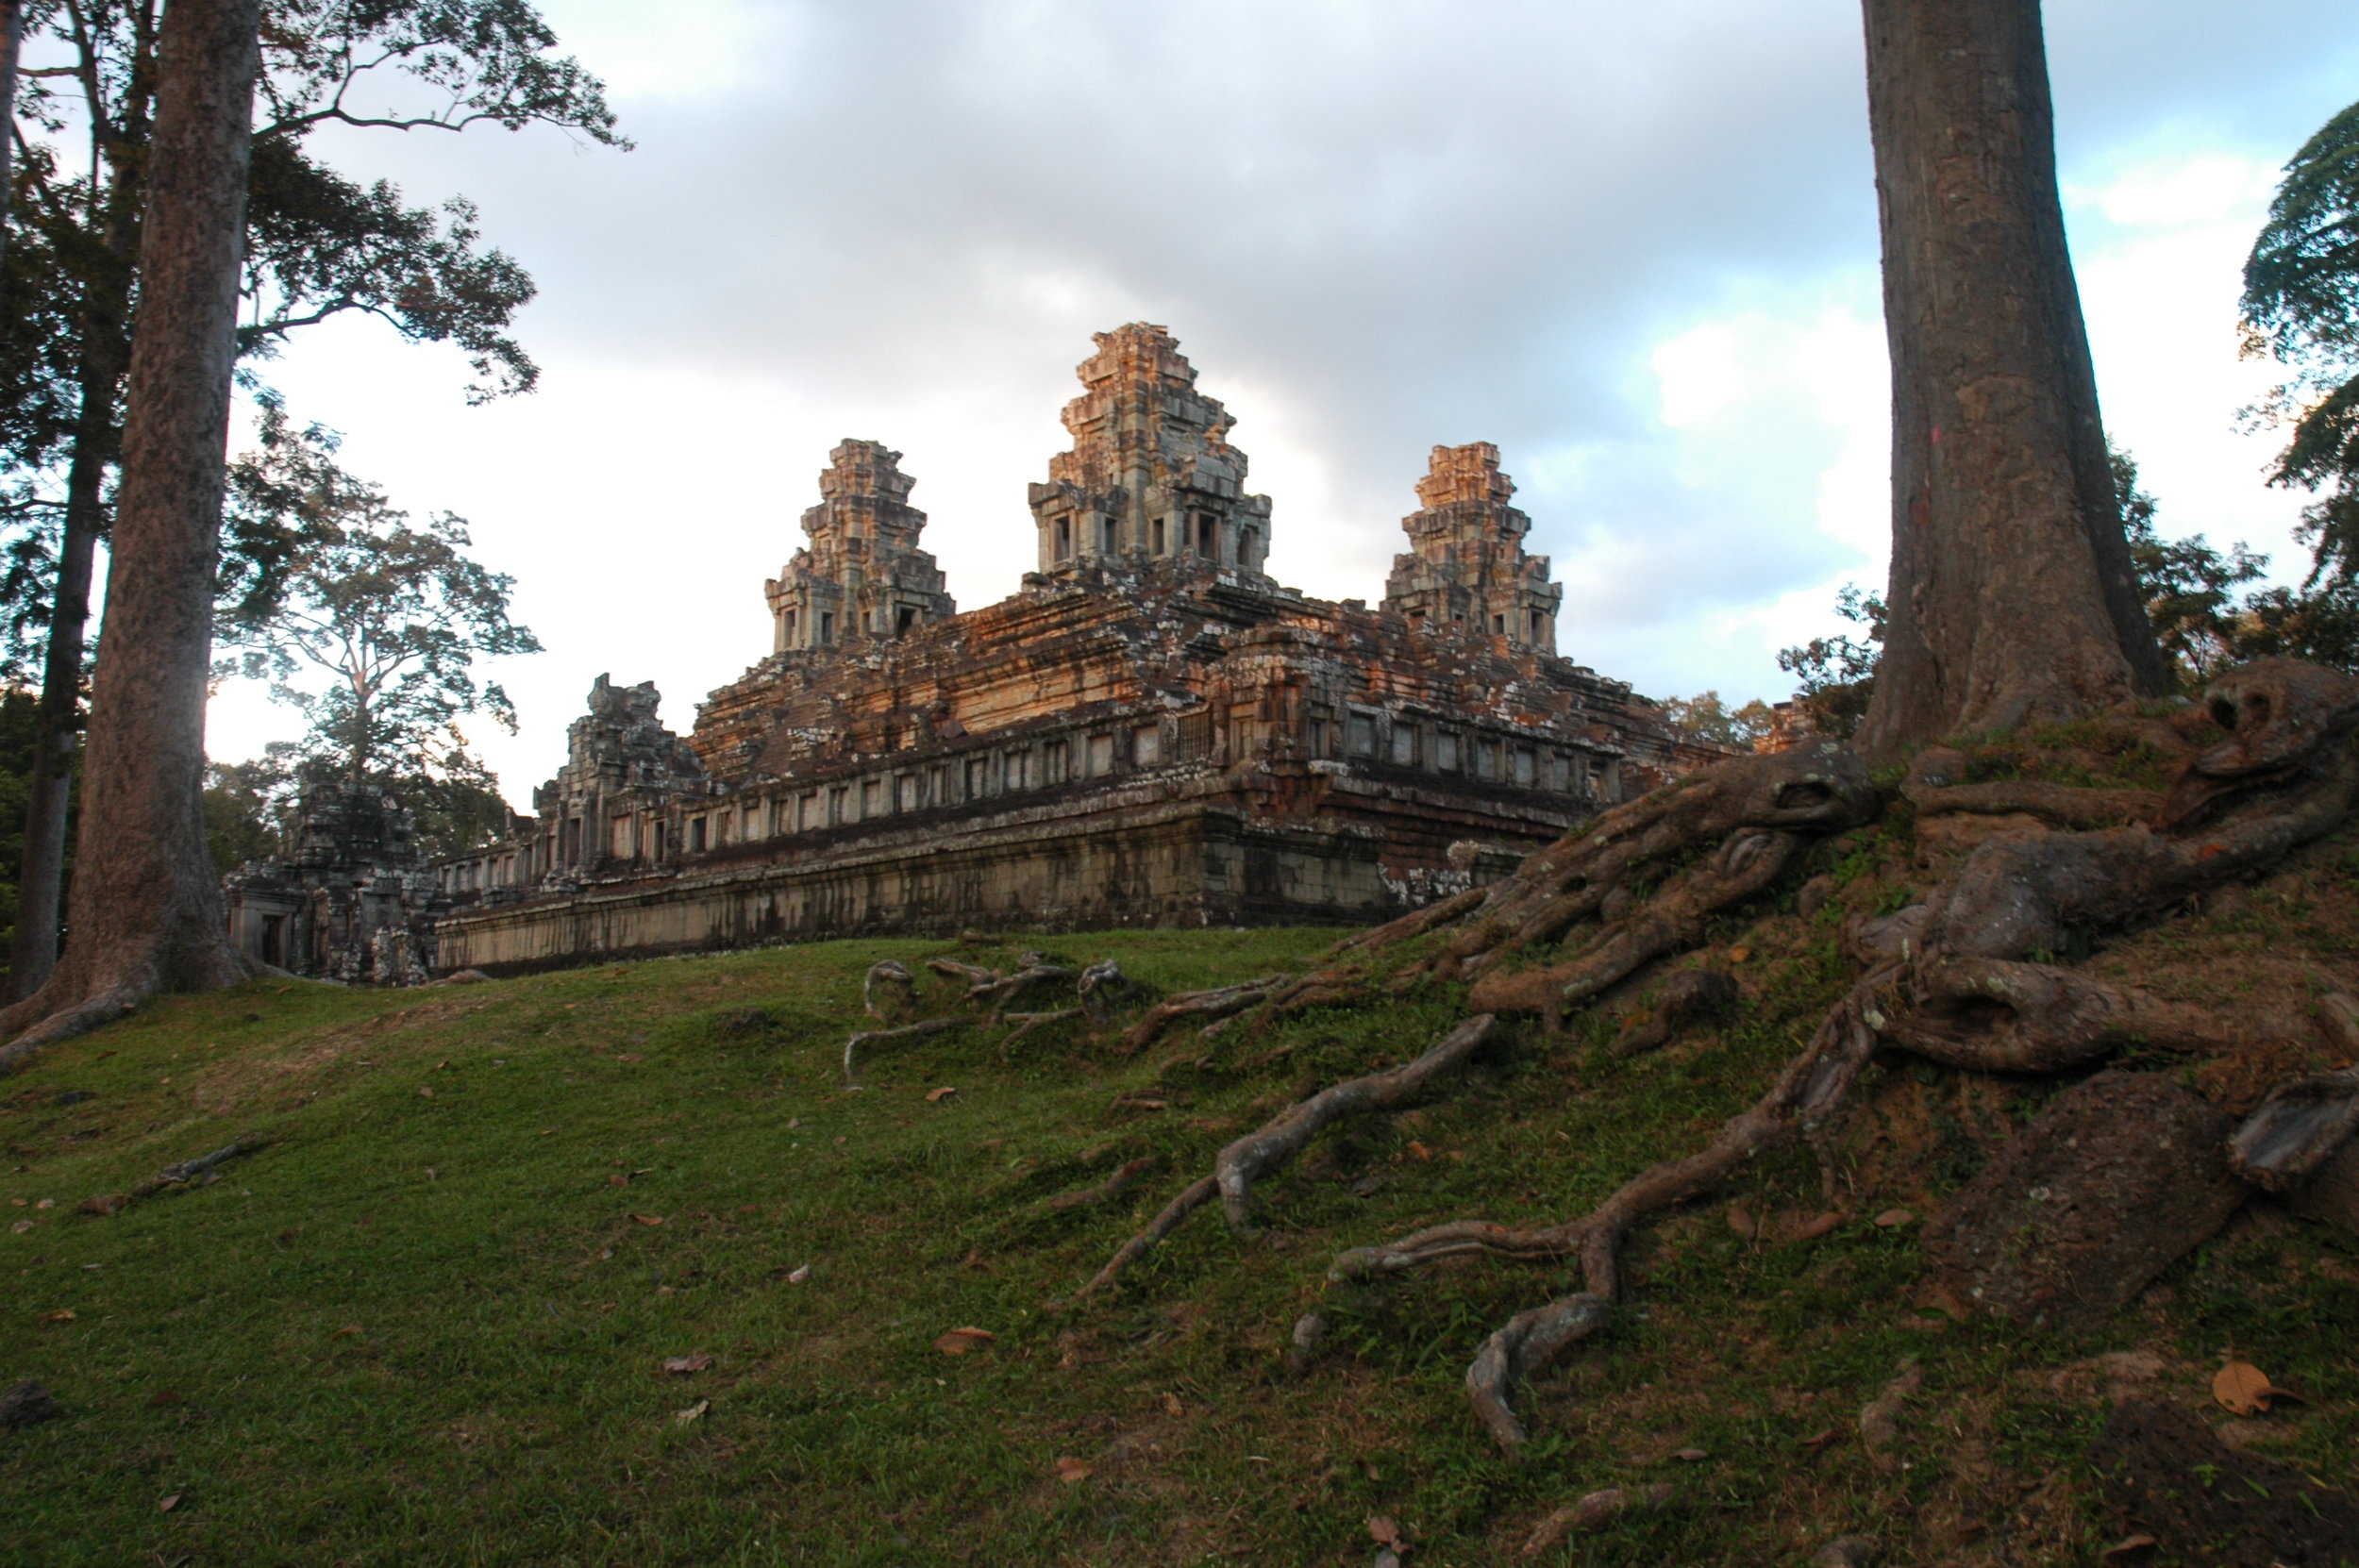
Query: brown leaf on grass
point(169, 1504)
point(1892, 1218)
point(102, 1206)
point(1819, 1438)
point(1418, 1151)
point(958, 1341)
point(2246, 1389)
point(63, 1315)
point(1384, 1532)
point(2127, 1544)
point(1741, 1222)
point(22, 1226)
point(934, 1097)
point(626, 1056)
point(693, 1412)
point(1739, 953)
point(1690, 1456)
point(1070, 1470)
point(425, 1092)
point(346, 1331)
point(798, 1275)
point(687, 1363)
point(649, 1219)
point(1816, 1226)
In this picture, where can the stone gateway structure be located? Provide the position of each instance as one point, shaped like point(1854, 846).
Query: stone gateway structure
point(1151, 731)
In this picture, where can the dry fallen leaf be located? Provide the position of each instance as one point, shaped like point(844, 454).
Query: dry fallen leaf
point(22, 1226)
point(2246, 1389)
point(424, 1092)
point(626, 1056)
point(2128, 1544)
point(1689, 1456)
point(1418, 1151)
point(1070, 1470)
point(693, 1413)
point(46, 1203)
point(799, 1275)
point(63, 1315)
point(649, 1219)
point(1739, 954)
point(1893, 1218)
point(932, 1096)
point(958, 1341)
point(169, 1504)
point(1819, 1438)
point(347, 1330)
point(687, 1363)
point(1384, 1532)
point(1172, 1405)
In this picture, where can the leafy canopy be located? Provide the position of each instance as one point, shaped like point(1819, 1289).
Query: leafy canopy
point(392, 612)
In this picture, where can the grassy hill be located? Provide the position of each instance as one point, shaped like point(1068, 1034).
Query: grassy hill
point(426, 1321)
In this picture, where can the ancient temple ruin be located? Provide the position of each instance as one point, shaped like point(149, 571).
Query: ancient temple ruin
point(1149, 731)
point(349, 897)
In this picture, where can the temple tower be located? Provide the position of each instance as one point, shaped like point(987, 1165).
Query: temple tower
point(1467, 564)
point(862, 574)
point(1151, 476)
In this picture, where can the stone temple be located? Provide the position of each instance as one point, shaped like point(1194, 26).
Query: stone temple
point(1150, 731)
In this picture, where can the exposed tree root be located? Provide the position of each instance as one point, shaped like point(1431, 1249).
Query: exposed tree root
point(1026, 1022)
point(2305, 1120)
point(199, 1171)
point(1218, 1003)
point(1684, 996)
point(1935, 786)
point(894, 976)
point(1594, 1511)
point(1258, 1154)
point(905, 1031)
point(1997, 1016)
point(1113, 1186)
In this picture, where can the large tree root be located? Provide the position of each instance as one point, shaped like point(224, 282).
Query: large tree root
point(1993, 1016)
point(2303, 1122)
point(1257, 1154)
point(1674, 918)
point(905, 1031)
point(1218, 1003)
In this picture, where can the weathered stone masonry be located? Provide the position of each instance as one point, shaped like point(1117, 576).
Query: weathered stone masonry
point(1151, 731)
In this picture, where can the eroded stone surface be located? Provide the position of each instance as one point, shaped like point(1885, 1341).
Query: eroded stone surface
point(2118, 1180)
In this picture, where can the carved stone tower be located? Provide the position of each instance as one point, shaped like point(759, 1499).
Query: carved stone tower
point(1467, 563)
point(1151, 476)
point(863, 574)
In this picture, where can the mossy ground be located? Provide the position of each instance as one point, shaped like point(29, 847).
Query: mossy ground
point(424, 1324)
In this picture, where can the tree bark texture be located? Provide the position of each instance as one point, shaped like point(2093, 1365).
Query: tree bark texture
point(146, 906)
point(2012, 599)
point(11, 44)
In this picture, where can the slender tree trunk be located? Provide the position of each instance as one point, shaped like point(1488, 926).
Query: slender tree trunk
point(2012, 599)
point(12, 43)
point(146, 906)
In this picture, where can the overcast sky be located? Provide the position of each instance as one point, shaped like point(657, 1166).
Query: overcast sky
point(1633, 245)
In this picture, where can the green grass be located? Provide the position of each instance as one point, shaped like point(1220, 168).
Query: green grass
point(427, 1328)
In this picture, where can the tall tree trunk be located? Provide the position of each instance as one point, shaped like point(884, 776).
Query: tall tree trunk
point(2012, 599)
point(146, 906)
point(106, 309)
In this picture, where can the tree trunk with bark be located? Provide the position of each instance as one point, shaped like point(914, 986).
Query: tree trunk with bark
point(146, 905)
point(12, 43)
point(2011, 598)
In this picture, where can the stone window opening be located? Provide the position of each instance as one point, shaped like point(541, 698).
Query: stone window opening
point(1194, 735)
point(1146, 746)
point(977, 778)
point(1114, 537)
point(871, 798)
point(1363, 735)
point(1054, 763)
point(906, 790)
point(1158, 532)
point(907, 619)
point(1064, 538)
point(1101, 756)
point(695, 835)
point(839, 806)
point(1486, 759)
point(1316, 734)
point(1445, 751)
point(1539, 624)
point(789, 623)
point(827, 626)
point(1207, 537)
point(1498, 625)
point(1525, 768)
point(1405, 746)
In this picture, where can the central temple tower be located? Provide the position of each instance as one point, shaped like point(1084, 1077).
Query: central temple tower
point(1151, 476)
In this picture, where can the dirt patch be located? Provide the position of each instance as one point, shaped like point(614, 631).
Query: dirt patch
point(2165, 1475)
point(2116, 1181)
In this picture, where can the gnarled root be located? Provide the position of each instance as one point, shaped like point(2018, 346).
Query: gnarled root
point(906, 1031)
point(200, 1170)
point(899, 986)
point(1686, 995)
point(1257, 1154)
point(1218, 1003)
point(2283, 715)
point(1026, 1022)
point(1935, 785)
point(1112, 1187)
point(1994, 1015)
point(2303, 1121)
point(1748, 862)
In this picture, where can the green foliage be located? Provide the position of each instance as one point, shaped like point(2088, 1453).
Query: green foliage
point(1707, 717)
point(2185, 584)
point(2301, 309)
point(318, 244)
point(395, 613)
point(1835, 676)
point(243, 803)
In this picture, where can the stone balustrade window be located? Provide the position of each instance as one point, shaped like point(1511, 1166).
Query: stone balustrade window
point(1101, 756)
point(1363, 735)
point(871, 798)
point(1445, 751)
point(695, 835)
point(1055, 763)
point(1195, 736)
point(1146, 746)
point(1405, 744)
